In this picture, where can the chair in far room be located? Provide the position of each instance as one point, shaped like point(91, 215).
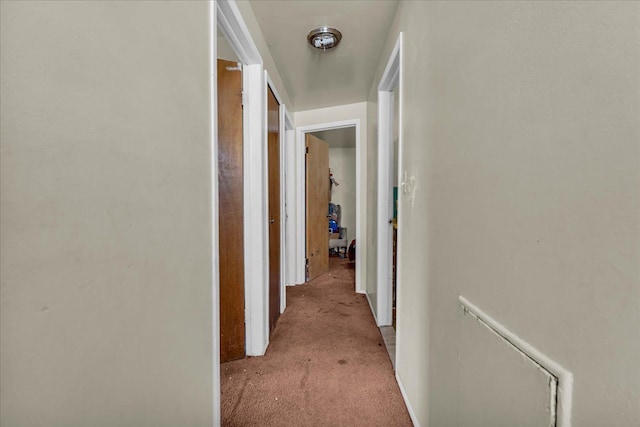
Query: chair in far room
point(338, 242)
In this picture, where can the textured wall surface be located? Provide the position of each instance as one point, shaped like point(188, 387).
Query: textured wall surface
point(521, 129)
point(105, 214)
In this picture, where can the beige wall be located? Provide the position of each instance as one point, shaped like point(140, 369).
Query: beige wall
point(334, 114)
point(224, 49)
point(105, 214)
point(521, 128)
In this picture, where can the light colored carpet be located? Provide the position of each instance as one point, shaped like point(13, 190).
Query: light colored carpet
point(326, 364)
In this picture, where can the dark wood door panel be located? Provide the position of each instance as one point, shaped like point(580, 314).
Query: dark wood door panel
point(231, 211)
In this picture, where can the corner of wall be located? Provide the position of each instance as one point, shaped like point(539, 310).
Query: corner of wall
point(269, 63)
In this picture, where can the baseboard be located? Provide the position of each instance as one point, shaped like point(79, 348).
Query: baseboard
point(412, 414)
point(373, 312)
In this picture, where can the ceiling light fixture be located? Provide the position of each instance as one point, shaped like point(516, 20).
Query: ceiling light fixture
point(324, 38)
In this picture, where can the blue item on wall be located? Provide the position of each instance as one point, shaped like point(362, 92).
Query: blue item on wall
point(395, 202)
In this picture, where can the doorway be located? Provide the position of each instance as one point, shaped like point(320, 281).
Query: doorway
point(275, 220)
point(360, 186)
point(391, 187)
point(233, 31)
point(342, 188)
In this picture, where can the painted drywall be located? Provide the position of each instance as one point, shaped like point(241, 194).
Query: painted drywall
point(338, 138)
point(396, 138)
point(521, 129)
point(342, 162)
point(224, 49)
point(333, 114)
point(336, 114)
point(244, 6)
point(106, 263)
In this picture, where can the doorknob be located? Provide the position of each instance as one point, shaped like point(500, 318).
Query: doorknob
point(272, 220)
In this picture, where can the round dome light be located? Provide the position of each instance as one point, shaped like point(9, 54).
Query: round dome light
point(324, 38)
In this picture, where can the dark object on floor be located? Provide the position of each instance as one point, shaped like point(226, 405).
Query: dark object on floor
point(352, 250)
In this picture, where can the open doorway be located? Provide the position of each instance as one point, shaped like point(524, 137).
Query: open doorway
point(274, 189)
point(330, 164)
point(390, 190)
point(342, 188)
point(343, 129)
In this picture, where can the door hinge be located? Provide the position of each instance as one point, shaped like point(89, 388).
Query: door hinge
point(307, 152)
point(243, 96)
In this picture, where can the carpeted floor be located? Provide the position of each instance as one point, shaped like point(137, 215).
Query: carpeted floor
point(326, 364)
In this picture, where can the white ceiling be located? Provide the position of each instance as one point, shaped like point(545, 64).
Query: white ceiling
point(343, 75)
point(338, 138)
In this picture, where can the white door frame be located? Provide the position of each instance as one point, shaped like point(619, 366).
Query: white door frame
point(390, 83)
point(282, 114)
point(256, 238)
point(225, 15)
point(289, 169)
point(301, 132)
point(215, 273)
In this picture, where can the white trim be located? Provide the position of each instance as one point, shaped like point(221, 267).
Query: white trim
point(282, 112)
point(215, 268)
point(281, 154)
point(412, 413)
point(300, 149)
point(290, 206)
point(289, 199)
point(232, 25)
point(390, 82)
point(391, 76)
point(360, 192)
point(283, 222)
point(256, 212)
point(256, 255)
point(361, 209)
point(385, 207)
point(256, 231)
point(565, 378)
point(288, 121)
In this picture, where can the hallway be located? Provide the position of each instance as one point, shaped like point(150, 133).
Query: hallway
point(326, 364)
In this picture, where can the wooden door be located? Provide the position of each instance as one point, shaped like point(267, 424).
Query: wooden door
point(230, 191)
point(273, 155)
point(317, 204)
